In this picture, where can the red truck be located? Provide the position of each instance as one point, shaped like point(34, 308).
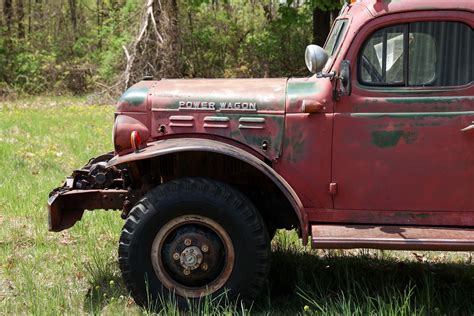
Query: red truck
point(374, 150)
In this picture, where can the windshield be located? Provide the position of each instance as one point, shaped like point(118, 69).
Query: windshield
point(334, 39)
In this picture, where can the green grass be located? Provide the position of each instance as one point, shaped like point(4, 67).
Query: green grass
point(75, 272)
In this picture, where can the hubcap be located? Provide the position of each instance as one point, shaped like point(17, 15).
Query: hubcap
point(192, 256)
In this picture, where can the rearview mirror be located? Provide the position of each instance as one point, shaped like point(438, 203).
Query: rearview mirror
point(315, 58)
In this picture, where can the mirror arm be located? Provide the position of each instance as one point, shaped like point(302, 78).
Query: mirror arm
point(337, 93)
point(331, 75)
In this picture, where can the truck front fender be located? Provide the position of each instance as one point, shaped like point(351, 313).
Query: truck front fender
point(175, 145)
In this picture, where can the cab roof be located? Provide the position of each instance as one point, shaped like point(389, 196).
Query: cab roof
point(383, 7)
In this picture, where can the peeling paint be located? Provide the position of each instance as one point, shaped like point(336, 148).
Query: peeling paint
point(428, 100)
point(298, 89)
point(294, 143)
point(412, 215)
point(413, 115)
point(135, 96)
point(385, 139)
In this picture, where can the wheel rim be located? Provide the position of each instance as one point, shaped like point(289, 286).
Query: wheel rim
point(192, 256)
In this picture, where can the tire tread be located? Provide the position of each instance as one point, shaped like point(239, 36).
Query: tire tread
point(240, 203)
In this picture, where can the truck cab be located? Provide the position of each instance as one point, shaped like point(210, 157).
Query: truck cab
point(398, 138)
point(375, 149)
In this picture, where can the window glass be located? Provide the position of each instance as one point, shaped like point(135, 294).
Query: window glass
point(423, 59)
point(334, 39)
point(440, 54)
point(418, 54)
point(382, 57)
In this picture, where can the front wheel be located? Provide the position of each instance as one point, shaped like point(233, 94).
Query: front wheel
point(191, 238)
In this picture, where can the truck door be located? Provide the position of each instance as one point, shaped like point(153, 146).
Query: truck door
point(404, 139)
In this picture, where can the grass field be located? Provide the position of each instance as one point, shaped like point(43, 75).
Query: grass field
point(75, 272)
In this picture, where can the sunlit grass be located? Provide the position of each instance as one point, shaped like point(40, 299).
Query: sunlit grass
point(76, 272)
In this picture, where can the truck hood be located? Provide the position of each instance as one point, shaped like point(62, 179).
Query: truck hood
point(246, 95)
point(249, 111)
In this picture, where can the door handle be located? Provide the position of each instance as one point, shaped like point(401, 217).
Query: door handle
point(313, 106)
point(468, 127)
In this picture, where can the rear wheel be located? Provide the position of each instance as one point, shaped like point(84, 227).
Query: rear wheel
point(191, 238)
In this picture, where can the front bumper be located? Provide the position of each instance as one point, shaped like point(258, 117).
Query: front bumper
point(66, 207)
point(94, 186)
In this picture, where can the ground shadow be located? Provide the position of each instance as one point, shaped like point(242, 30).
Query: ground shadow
point(334, 285)
point(299, 279)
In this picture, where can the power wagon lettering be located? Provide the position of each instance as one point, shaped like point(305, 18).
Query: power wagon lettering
point(213, 106)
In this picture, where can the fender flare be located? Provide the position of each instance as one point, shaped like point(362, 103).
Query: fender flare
point(175, 145)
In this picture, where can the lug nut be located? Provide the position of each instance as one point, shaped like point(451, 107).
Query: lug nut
point(187, 242)
point(204, 248)
point(204, 266)
point(186, 271)
point(176, 256)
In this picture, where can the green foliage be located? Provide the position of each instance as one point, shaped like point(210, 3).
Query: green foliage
point(54, 59)
point(246, 38)
point(116, 32)
point(228, 38)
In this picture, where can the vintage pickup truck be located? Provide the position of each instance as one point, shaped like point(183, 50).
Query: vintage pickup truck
point(374, 150)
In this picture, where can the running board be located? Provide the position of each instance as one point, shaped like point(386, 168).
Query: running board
point(392, 237)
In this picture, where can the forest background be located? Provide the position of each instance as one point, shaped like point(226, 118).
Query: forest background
point(72, 55)
point(102, 46)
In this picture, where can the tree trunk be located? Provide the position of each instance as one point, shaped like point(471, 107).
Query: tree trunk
point(38, 15)
point(73, 14)
point(29, 17)
point(268, 10)
point(99, 22)
point(8, 16)
point(156, 49)
point(321, 26)
point(20, 12)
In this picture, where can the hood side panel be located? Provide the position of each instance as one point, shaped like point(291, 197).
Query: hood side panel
point(268, 94)
point(249, 111)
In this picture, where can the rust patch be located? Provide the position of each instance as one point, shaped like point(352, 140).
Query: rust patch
point(66, 208)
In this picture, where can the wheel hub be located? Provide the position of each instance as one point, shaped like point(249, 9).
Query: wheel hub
point(192, 256)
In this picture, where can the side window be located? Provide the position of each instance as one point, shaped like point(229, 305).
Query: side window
point(382, 57)
point(334, 39)
point(418, 54)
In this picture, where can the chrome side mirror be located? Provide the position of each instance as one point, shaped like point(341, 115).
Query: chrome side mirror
point(315, 58)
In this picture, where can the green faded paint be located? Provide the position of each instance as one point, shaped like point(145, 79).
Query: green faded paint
point(405, 125)
point(431, 124)
point(413, 115)
point(294, 144)
point(400, 90)
point(257, 140)
point(296, 89)
point(385, 139)
point(216, 118)
point(412, 215)
point(278, 135)
point(273, 132)
point(135, 96)
point(428, 100)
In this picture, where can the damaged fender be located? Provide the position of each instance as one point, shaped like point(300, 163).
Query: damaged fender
point(168, 146)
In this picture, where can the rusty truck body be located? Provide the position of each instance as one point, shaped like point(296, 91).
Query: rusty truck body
point(374, 150)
